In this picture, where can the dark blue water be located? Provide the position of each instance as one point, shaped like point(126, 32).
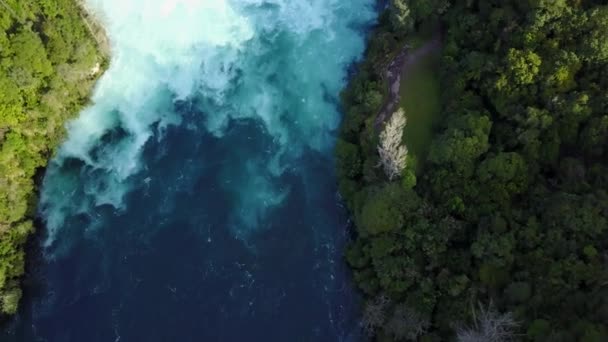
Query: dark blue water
point(195, 200)
point(168, 269)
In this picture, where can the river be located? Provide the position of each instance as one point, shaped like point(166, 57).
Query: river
point(195, 199)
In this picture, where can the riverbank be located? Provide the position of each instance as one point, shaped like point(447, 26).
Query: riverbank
point(50, 65)
point(505, 223)
point(397, 66)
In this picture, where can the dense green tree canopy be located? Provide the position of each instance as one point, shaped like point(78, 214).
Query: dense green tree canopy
point(510, 208)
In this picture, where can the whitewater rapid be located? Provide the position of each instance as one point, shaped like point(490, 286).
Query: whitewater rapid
point(280, 62)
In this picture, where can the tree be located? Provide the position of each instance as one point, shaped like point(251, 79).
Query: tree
point(406, 324)
point(594, 45)
point(401, 18)
point(518, 292)
point(488, 326)
point(374, 314)
point(393, 154)
point(30, 54)
point(504, 175)
point(463, 142)
point(383, 210)
point(348, 159)
point(539, 330)
point(425, 9)
point(10, 301)
point(523, 66)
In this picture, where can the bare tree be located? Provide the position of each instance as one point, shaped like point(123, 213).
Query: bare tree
point(406, 324)
point(393, 154)
point(488, 326)
point(374, 314)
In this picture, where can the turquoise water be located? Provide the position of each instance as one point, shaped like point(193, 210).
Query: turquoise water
point(195, 199)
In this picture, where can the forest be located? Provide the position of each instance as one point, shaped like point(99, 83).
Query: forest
point(498, 231)
point(49, 60)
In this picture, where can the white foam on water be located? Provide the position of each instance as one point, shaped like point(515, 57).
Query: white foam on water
point(275, 61)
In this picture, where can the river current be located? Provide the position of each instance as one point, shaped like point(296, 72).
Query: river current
point(195, 198)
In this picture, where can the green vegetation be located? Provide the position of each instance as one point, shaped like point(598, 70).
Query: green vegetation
point(505, 231)
point(420, 100)
point(46, 58)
